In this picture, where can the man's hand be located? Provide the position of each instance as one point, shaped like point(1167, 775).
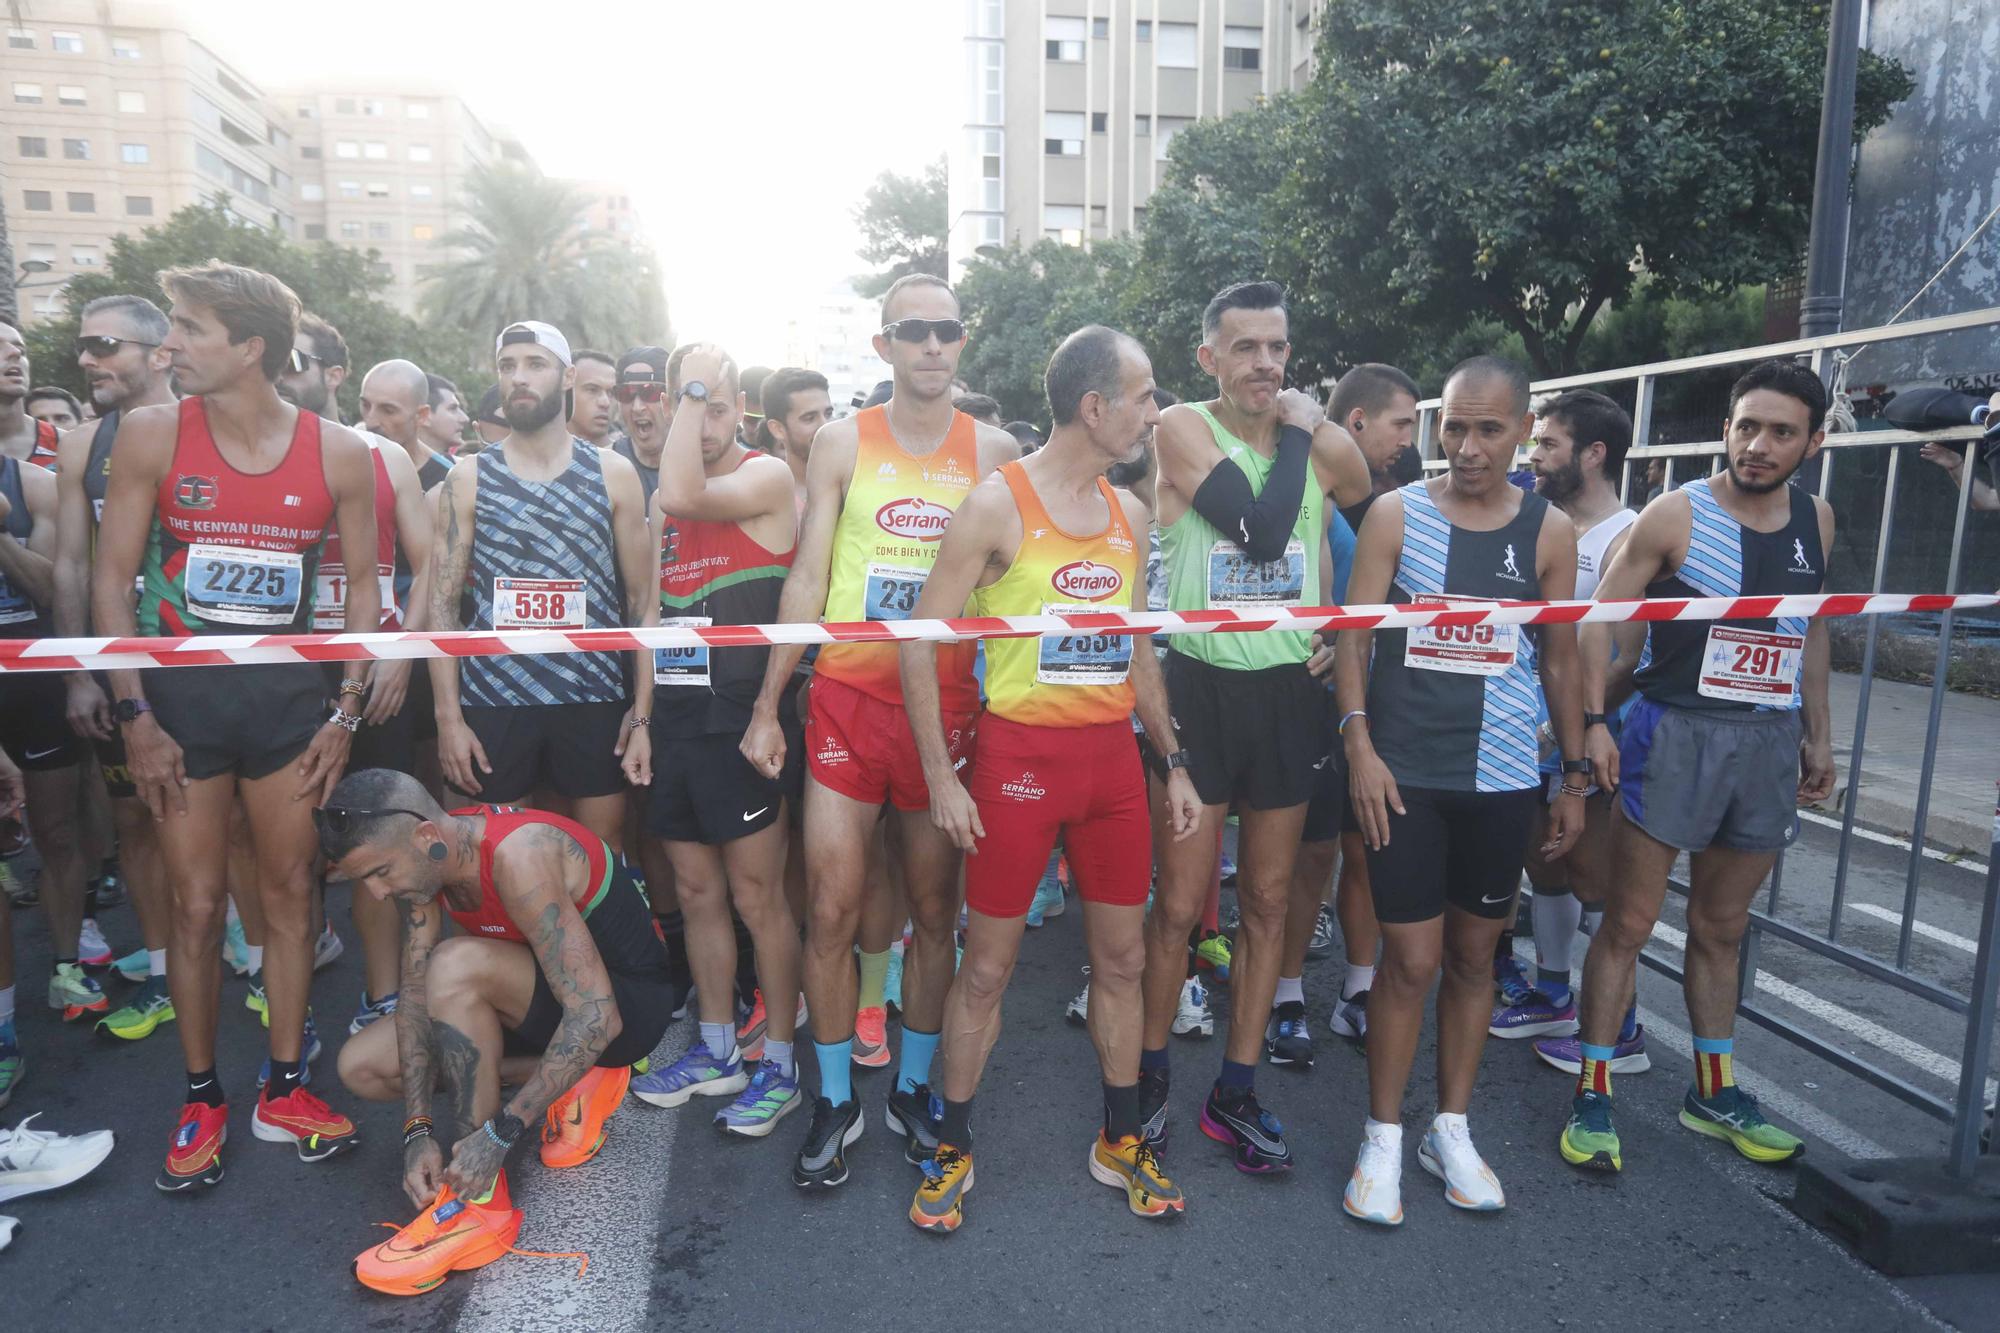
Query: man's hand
point(1602, 752)
point(1816, 771)
point(764, 743)
point(1952, 461)
point(1565, 825)
point(953, 810)
point(1320, 665)
point(1298, 408)
point(1372, 788)
point(703, 362)
point(323, 762)
point(13, 788)
point(635, 748)
point(423, 1171)
point(88, 710)
point(458, 750)
point(154, 760)
point(1183, 804)
point(387, 690)
point(475, 1160)
point(6, 508)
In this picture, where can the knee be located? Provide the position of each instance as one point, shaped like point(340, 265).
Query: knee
point(1468, 967)
point(1118, 972)
point(932, 916)
point(1716, 927)
point(831, 922)
point(1623, 932)
point(762, 906)
point(1409, 968)
point(1263, 903)
point(199, 915)
point(1173, 914)
point(985, 979)
point(451, 979)
point(366, 1076)
point(700, 896)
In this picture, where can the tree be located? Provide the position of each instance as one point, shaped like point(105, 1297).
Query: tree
point(1020, 301)
point(902, 221)
point(521, 254)
point(338, 284)
point(10, 301)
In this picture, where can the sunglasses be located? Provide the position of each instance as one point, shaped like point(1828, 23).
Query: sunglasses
point(300, 359)
point(341, 820)
point(645, 391)
point(103, 344)
point(917, 330)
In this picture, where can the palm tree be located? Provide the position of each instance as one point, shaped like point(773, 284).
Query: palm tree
point(523, 254)
point(10, 302)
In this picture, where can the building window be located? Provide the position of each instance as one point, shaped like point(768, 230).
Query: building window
point(1242, 48)
point(378, 231)
point(1142, 127)
point(1100, 29)
point(423, 231)
point(28, 94)
point(312, 192)
point(71, 94)
point(33, 146)
point(376, 152)
point(136, 154)
point(1169, 127)
point(350, 231)
point(420, 152)
point(69, 43)
point(1143, 31)
point(1098, 120)
point(1176, 46)
point(84, 256)
point(1097, 217)
point(36, 201)
point(418, 110)
point(350, 189)
point(20, 39)
point(371, 106)
point(124, 48)
point(1063, 222)
point(343, 106)
point(131, 103)
point(347, 148)
point(309, 151)
point(139, 205)
point(378, 189)
point(76, 150)
point(315, 231)
point(420, 191)
point(82, 201)
point(1062, 133)
point(1062, 38)
point(42, 251)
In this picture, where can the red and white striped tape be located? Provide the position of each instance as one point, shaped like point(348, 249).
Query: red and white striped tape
point(253, 649)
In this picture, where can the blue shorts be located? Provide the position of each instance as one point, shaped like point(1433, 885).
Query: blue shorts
point(1699, 778)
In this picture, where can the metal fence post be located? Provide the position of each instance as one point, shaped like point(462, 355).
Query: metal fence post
point(1969, 1113)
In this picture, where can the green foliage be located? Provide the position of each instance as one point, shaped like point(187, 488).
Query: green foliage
point(903, 223)
point(1023, 300)
point(332, 281)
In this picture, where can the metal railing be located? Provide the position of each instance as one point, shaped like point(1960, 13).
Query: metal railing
point(1965, 1110)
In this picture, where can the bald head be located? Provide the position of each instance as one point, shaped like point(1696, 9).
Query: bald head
point(395, 401)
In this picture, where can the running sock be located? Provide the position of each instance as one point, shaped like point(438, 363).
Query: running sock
point(915, 1066)
point(1592, 922)
point(256, 952)
point(720, 1038)
point(1290, 988)
point(6, 1005)
point(156, 962)
point(1555, 985)
point(1149, 1060)
point(1357, 980)
point(956, 1126)
point(779, 1053)
point(874, 973)
point(205, 1087)
point(1713, 1071)
point(836, 1074)
point(1237, 1077)
point(1121, 1112)
point(1630, 1029)
point(1555, 913)
point(1595, 1076)
point(286, 1078)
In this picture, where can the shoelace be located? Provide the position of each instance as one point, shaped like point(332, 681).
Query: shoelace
point(581, 1256)
point(937, 1168)
point(21, 1139)
point(1146, 1162)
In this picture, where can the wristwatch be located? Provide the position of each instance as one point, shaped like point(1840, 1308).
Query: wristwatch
point(128, 710)
point(696, 390)
point(1594, 720)
point(1570, 766)
point(1179, 759)
point(507, 1128)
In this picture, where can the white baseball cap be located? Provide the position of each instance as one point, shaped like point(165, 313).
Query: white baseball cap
point(534, 331)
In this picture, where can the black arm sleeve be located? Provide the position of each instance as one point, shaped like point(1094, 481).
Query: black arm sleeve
point(1260, 524)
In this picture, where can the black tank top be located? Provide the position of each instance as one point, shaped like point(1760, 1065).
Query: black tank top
point(97, 468)
point(20, 617)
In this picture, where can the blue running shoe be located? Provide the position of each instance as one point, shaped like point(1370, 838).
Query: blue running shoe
point(1511, 979)
point(311, 1049)
point(1535, 1016)
point(1048, 899)
point(770, 1096)
point(698, 1073)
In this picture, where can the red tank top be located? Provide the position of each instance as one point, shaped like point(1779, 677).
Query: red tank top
point(44, 454)
point(490, 919)
point(330, 601)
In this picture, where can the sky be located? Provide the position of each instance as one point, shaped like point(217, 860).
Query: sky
point(746, 130)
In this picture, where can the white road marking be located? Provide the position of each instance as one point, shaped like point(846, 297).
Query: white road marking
point(1977, 867)
point(1922, 928)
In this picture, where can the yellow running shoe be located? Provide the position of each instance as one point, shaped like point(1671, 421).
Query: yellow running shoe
point(947, 1180)
point(1131, 1165)
point(149, 1006)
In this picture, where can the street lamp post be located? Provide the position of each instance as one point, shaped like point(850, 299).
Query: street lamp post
point(1826, 251)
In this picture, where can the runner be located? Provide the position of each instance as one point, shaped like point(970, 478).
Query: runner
point(1728, 735)
point(555, 985)
point(1440, 741)
point(1377, 405)
point(1056, 754)
point(1244, 480)
point(726, 528)
point(118, 348)
point(882, 485)
point(642, 382)
point(444, 431)
point(395, 404)
point(224, 501)
point(54, 405)
point(552, 534)
point(22, 436)
point(590, 417)
point(796, 405)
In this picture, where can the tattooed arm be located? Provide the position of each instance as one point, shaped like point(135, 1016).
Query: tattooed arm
point(460, 754)
point(423, 1160)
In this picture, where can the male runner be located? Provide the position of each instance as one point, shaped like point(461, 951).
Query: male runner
point(726, 528)
point(642, 382)
point(1243, 485)
point(224, 503)
point(1439, 729)
point(444, 432)
point(881, 486)
point(395, 404)
point(590, 416)
point(55, 405)
point(555, 985)
point(1377, 405)
point(796, 405)
point(1579, 458)
point(118, 347)
point(22, 436)
point(1056, 752)
point(1728, 735)
point(553, 535)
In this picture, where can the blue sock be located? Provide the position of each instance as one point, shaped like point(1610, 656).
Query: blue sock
point(8, 1041)
point(1553, 984)
point(915, 1066)
point(836, 1070)
point(1236, 1075)
point(1152, 1059)
point(1631, 1027)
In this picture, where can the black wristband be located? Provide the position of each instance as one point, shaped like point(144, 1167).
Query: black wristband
point(1570, 766)
point(1594, 720)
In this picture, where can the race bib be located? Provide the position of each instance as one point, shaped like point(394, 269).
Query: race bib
point(238, 585)
point(1749, 666)
point(1238, 583)
point(891, 591)
point(330, 597)
point(1464, 650)
point(1082, 658)
point(538, 604)
point(15, 608)
point(682, 666)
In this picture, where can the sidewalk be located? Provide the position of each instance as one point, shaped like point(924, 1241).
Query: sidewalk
point(1962, 783)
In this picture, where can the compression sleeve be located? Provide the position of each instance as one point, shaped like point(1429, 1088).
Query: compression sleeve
point(1260, 524)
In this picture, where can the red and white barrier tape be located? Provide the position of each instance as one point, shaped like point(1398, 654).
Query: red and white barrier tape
point(252, 649)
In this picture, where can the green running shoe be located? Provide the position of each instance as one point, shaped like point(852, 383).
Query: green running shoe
point(11, 1064)
point(1732, 1116)
point(255, 1001)
point(148, 1007)
point(1589, 1140)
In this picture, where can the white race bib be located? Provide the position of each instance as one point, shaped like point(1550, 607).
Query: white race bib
point(1748, 666)
point(239, 585)
point(538, 604)
point(330, 597)
point(1238, 583)
point(891, 591)
point(1464, 650)
point(682, 666)
point(1082, 657)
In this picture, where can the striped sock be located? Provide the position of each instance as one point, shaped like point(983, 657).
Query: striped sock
point(1713, 1071)
point(1595, 1075)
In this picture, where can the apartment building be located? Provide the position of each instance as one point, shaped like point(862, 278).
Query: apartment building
point(1070, 105)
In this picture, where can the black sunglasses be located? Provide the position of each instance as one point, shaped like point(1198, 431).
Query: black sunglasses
point(340, 820)
point(916, 330)
point(642, 391)
point(103, 344)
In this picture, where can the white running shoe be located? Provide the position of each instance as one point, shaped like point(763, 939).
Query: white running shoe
point(7, 1225)
point(1448, 1154)
point(327, 948)
point(32, 1160)
point(1079, 1008)
point(1375, 1190)
point(1194, 1018)
point(91, 950)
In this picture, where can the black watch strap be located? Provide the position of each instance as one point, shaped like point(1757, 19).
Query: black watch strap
point(1178, 759)
point(508, 1128)
point(1570, 766)
point(1594, 720)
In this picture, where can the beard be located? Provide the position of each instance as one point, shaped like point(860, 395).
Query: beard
point(312, 397)
point(1562, 485)
point(527, 420)
point(1748, 487)
point(108, 393)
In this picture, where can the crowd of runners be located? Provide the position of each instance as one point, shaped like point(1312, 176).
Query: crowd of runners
point(550, 859)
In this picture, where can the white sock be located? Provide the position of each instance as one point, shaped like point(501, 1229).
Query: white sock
point(1290, 988)
point(1446, 1120)
point(1555, 916)
point(1358, 979)
point(256, 957)
point(720, 1038)
point(779, 1053)
point(156, 962)
point(6, 1005)
point(1376, 1129)
point(1593, 920)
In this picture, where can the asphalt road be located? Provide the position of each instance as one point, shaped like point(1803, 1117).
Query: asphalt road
point(687, 1229)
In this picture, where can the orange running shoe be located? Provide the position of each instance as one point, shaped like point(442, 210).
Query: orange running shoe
point(303, 1119)
point(573, 1131)
point(194, 1157)
point(450, 1236)
point(750, 1034)
point(871, 1038)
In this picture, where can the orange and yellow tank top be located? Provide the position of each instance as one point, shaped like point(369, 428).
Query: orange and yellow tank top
point(891, 522)
point(1065, 680)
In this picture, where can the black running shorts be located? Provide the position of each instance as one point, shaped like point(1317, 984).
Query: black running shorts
point(1460, 847)
point(627, 939)
point(1251, 736)
point(570, 749)
point(246, 720)
point(34, 722)
point(705, 791)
